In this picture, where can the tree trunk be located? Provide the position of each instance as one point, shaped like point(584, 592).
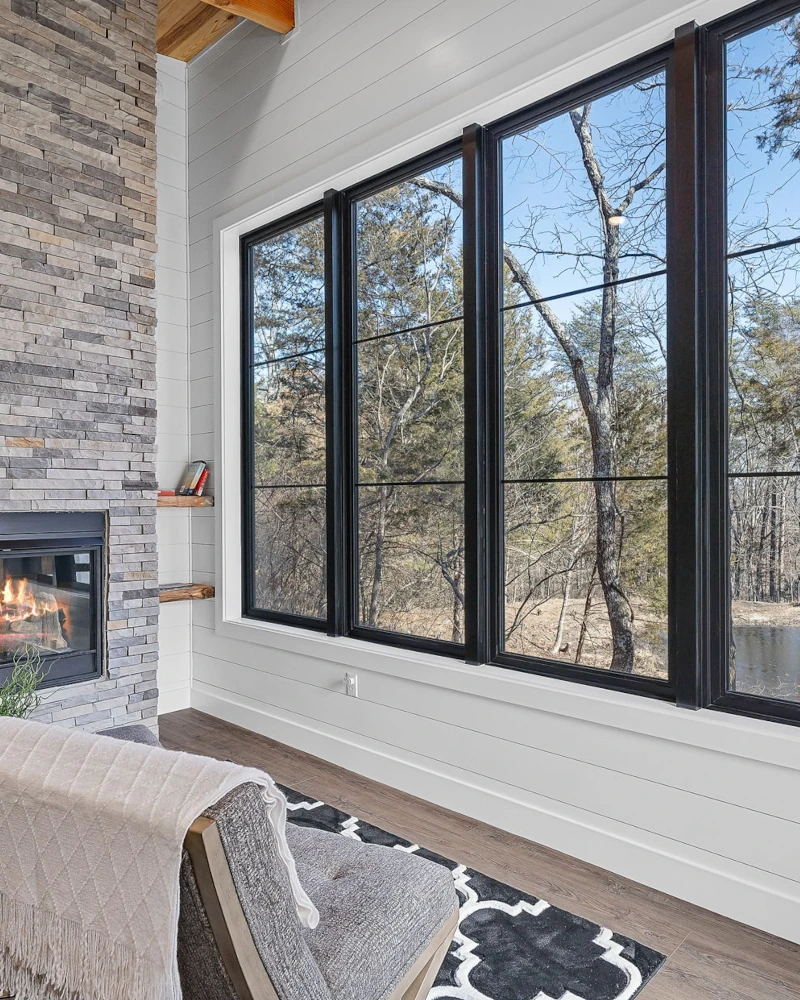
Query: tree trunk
point(774, 579)
point(762, 545)
point(562, 615)
point(587, 607)
point(458, 608)
point(377, 569)
point(619, 612)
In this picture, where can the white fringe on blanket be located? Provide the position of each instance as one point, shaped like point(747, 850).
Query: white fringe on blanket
point(91, 833)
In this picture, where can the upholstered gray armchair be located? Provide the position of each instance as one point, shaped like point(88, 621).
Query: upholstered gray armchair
point(386, 917)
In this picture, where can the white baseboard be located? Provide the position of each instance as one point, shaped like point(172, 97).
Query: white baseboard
point(174, 700)
point(734, 890)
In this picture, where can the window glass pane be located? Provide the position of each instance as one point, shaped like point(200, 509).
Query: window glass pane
point(763, 111)
point(411, 560)
point(763, 306)
point(765, 585)
point(289, 421)
point(410, 405)
point(408, 248)
point(287, 474)
point(764, 361)
point(288, 275)
point(547, 432)
point(289, 551)
point(565, 598)
point(585, 384)
point(583, 194)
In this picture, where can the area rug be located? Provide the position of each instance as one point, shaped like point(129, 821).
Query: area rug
point(509, 945)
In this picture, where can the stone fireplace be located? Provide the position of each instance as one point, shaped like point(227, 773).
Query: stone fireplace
point(78, 353)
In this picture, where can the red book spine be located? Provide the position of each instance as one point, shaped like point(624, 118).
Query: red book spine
point(201, 484)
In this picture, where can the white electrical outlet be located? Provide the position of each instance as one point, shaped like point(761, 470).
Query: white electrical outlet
point(351, 685)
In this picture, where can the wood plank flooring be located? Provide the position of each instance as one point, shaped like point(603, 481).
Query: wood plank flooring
point(709, 957)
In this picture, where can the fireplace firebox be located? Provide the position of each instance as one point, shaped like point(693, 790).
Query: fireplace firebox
point(51, 592)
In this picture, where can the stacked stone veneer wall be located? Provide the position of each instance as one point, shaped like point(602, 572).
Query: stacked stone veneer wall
point(77, 308)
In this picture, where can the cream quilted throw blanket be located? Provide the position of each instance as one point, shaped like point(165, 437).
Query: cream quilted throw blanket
point(91, 831)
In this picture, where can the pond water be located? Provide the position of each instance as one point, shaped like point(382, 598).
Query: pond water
point(768, 660)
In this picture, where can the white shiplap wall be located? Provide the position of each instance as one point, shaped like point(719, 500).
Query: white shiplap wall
point(698, 804)
point(172, 336)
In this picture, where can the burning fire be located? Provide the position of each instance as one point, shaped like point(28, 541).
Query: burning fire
point(21, 601)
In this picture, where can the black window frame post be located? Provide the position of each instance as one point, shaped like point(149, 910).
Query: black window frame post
point(687, 657)
point(479, 457)
point(335, 412)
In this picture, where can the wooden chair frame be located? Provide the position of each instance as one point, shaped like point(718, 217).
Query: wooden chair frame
point(235, 942)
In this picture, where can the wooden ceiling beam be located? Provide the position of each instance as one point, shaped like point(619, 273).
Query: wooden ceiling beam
point(275, 14)
point(186, 27)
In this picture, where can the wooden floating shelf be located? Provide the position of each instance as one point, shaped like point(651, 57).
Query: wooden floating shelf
point(169, 592)
point(185, 502)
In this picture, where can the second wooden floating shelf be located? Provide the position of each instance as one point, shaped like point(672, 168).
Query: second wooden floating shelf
point(169, 592)
point(185, 501)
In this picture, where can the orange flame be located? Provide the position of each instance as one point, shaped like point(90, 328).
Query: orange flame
point(20, 601)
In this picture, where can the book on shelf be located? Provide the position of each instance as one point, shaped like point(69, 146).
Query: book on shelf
point(201, 483)
point(191, 478)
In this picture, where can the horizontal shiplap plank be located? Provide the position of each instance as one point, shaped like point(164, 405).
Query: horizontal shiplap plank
point(201, 366)
point(203, 529)
point(175, 420)
point(173, 392)
point(173, 639)
point(171, 364)
point(172, 280)
point(171, 114)
point(170, 172)
point(203, 389)
point(203, 558)
point(173, 68)
point(174, 614)
point(172, 527)
point(170, 254)
point(171, 228)
point(174, 671)
point(171, 144)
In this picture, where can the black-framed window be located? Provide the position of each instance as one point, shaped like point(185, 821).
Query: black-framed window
point(533, 399)
point(583, 319)
point(407, 381)
point(284, 419)
point(754, 71)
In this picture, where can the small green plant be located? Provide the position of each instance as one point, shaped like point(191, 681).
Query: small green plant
point(19, 696)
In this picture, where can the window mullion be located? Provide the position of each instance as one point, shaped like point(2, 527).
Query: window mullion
point(684, 389)
point(336, 424)
point(475, 405)
point(714, 488)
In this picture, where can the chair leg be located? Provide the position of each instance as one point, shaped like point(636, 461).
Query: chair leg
point(418, 990)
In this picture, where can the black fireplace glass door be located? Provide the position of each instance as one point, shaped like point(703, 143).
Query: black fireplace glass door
point(47, 603)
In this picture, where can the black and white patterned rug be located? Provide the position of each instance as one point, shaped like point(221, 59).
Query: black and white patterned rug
point(509, 946)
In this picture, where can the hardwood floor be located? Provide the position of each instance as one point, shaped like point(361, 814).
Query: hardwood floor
point(709, 957)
